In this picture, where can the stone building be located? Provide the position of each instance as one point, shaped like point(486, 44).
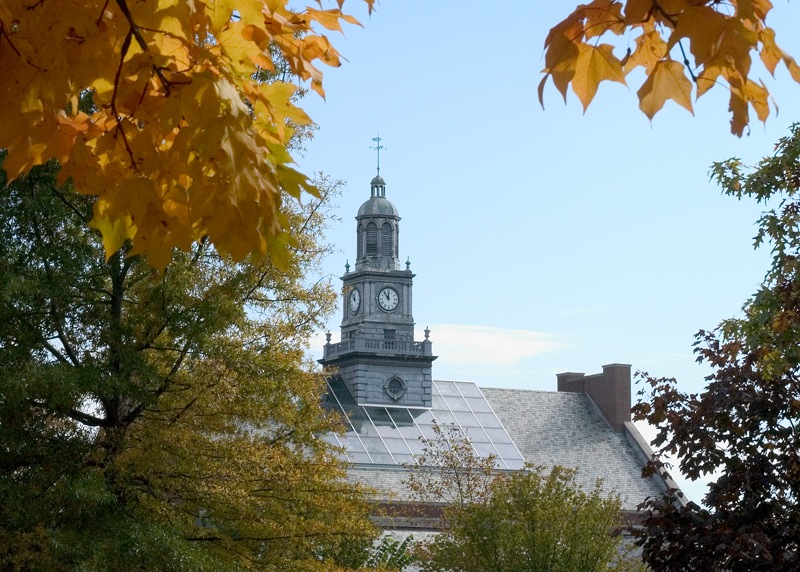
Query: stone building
point(381, 382)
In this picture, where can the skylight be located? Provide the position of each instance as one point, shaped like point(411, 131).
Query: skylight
point(393, 435)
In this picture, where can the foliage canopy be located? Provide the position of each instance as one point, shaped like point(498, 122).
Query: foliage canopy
point(742, 429)
point(160, 421)
point(532, 521)
point(661, 36)
point(182, 141)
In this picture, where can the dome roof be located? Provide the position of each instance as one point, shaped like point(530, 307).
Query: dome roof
point(378, 206)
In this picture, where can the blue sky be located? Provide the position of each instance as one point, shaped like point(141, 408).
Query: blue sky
point(543, 240)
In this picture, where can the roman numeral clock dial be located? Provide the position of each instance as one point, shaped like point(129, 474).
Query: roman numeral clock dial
point(388, 299)
point(355, 300)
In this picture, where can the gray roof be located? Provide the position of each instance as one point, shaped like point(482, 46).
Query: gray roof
point(549, 428)
point(378, 206)
point(560, 428)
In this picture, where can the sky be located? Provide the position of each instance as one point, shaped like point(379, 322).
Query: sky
point(543, 240)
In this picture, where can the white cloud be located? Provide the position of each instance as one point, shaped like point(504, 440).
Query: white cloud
point(487, 345)
point(584, 311)
point(487, 355)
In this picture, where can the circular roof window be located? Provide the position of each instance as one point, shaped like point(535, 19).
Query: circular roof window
point(395, 388)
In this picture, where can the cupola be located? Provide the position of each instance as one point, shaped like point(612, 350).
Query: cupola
point(378, 230)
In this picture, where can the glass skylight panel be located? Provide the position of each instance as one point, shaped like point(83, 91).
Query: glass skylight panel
point(468, 389)
point(447, 388)
point(416, 445)
point(477, 435)
point(466, 419)
point(478, 405)
point(393, 435)
point(456, 403)
point(359, 458)
point(485, 450)
point(496, 435)
point(489, 420)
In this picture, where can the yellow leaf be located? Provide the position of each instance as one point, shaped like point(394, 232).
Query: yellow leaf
point(330, 18)
point(715, 38)
point(650, 49)
point(603, 16)
point(770, 53)
point(115, 229)
point(595, 64)
point(666, 81)
point(738, 107)
point(753, 10)
point(794, 69)
point(240, 44)
point(758, 96)
point(638, 11)
point(708, 78)
point(561, 68)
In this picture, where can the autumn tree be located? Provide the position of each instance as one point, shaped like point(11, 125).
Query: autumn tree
point(684, 48)
point(183, 142)
point(741, 431)
point(160, 420)
point(526, 520)
point(389, 554)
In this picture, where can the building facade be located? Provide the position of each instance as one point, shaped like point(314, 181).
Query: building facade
point(380, 381)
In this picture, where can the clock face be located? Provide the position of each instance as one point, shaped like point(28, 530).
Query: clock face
point(355, 300)
point(388, 299)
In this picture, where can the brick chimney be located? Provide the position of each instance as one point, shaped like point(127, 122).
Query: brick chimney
point(610, 391)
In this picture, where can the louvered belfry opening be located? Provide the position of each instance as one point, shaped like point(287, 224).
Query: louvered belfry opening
point(372, 239)
point(386, 240)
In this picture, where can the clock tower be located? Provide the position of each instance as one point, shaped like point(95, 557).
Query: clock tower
point(377, 358)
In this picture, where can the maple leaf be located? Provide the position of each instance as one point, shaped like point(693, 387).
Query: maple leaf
point(594, 65)
point(665, 81)
point(721, 40)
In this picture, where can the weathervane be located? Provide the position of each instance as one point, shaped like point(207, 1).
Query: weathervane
point(378, 148)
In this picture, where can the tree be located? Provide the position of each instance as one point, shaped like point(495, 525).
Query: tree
point(450, 471)
point(533, 521)
point(742, 428)
point(513, 521)
point(721, 37)
point(160, 421)
point(182, 143)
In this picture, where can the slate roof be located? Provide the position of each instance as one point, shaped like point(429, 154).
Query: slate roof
point(549, 428)
point(559, 428)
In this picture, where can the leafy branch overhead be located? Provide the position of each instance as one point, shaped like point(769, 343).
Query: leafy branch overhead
point(683, 46)
point(181, 141)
